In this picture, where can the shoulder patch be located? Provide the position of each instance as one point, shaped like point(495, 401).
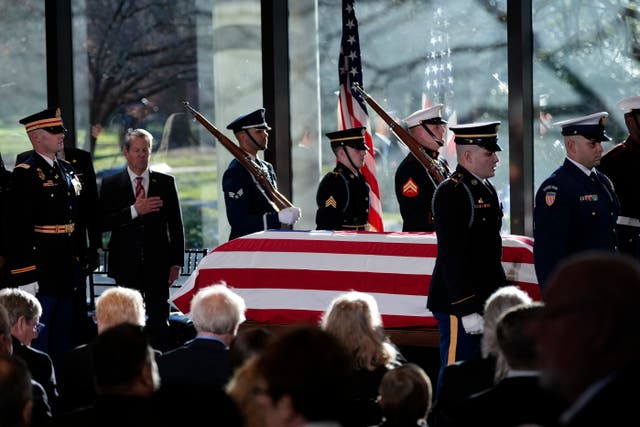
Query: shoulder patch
point(457, 178)
point(23, 166)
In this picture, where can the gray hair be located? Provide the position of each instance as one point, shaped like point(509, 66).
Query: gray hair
point(140, 133)
point(20, 303)
point(217, 309)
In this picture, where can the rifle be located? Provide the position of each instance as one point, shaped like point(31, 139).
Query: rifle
point(435, 170)
point(277, 199)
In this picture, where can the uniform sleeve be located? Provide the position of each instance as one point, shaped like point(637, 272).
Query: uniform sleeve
point(20, 222)
point(331, 199)
point(551, 221)
point(414, 198)
point(453, 209)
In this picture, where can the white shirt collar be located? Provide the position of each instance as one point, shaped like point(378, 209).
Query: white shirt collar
point(584, 169)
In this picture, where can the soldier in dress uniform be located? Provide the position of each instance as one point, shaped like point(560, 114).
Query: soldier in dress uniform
point(468, 268)
point(248, 207)
point(576, 208)
point(414, 183)
point(620, 165)
point(41, 227)
point(343, 194)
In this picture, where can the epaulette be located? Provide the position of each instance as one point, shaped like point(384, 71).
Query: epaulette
point(457, 178)
point(23, 166)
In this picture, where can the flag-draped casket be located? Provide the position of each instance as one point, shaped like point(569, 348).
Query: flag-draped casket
point(291, 276)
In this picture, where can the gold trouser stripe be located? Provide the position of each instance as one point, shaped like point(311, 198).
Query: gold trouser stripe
point(23, 269)
point(453, 340)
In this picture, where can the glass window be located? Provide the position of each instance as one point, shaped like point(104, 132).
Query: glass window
point(23, 73)
point(451, 52)
point(585, 61)
point(135, 63)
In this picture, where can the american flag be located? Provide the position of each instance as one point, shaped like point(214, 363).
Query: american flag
point(290, 277)
point(352, 111)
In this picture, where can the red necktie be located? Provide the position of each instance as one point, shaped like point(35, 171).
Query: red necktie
point(139, 187)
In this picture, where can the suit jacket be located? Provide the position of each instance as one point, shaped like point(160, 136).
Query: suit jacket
point(41, 368)
point(573, 213)
point(148, 245)
point(42, 195)
point(200, 362)
point(468, 267)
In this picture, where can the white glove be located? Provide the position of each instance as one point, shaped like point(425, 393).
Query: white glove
point(473, 323)
point(32, 288)
point(289, 215)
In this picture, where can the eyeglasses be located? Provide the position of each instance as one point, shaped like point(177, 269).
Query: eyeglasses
point(38, 327)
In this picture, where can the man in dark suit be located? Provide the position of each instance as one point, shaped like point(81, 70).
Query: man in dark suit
point(88, 233)
point(204, 361)
point(141, 209)
point(576, 208)
point(468, 268)
point(248, 208)
point(41, 226)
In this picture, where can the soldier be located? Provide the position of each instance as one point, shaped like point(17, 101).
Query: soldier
point(576, 207)
point(343, 194)
point(620, 164)
point(468, 268)
point(41, 227)
point(5, 177)
point(248, 207)
point(414, 184)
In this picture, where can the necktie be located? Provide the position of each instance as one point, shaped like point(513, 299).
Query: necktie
point(139, 187)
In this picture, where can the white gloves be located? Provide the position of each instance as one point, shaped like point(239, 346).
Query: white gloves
point(289, 215)
point(32, 288)
point(473, 323)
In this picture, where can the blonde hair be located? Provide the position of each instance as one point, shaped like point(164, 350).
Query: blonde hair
point(119, 305)
point(353, 318)
point(217, 309)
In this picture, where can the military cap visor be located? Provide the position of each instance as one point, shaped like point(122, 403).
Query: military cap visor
point(483, 135)
point(253, 120)
point(590, 126)
point(353, 138)
point(49, 120)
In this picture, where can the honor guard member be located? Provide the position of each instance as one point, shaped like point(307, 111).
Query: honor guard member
point(576, 208)
point(414, 183)
point(343, 194)
point(44, 256)
point(620, 165)
point(468, 268)
point(249, 209)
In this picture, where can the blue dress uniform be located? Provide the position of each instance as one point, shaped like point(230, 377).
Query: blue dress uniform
point(41, 228)
point(620, 165)
point(574, 212)
point(248, 208)
point(343, 196)
point(414, 184)
point(468, 268)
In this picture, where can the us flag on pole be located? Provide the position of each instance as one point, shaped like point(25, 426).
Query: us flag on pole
point(352, 111)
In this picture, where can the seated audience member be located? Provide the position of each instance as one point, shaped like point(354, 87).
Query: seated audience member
point(16, 400)
point(216, 312)
point(305, 372)
point(125, 375)
point(247, 344)
point(353, 318)
point(41, 411)
point(464, 378)
point(405, 396)
point(24, 312)
point(587, 338)
point(244, 352)
point(518, 398)
point(114, 306)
